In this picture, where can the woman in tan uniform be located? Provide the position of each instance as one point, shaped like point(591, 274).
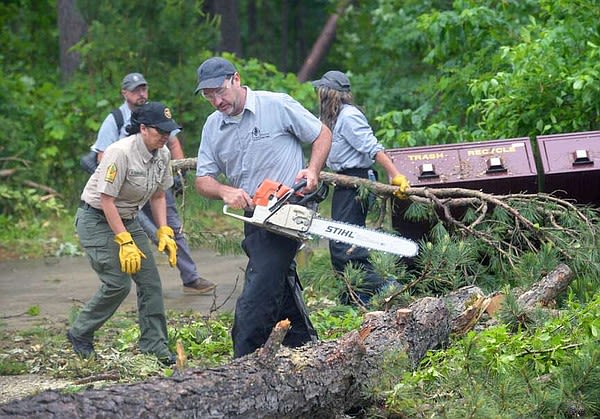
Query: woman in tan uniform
point(133, 171)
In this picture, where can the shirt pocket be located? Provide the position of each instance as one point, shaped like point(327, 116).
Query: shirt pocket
point(264, 149)
point(135, 188)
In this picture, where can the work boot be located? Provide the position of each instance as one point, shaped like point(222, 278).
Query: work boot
point(168, 360)
point(82, 347)
point(199, 286)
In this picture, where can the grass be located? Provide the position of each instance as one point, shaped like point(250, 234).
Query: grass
point(207, 341)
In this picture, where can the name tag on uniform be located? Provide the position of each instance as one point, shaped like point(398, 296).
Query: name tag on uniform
point(135, 173)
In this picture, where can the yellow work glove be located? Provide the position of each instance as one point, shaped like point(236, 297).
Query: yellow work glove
point(130, 255)
point(403, 185)
point(166, 240)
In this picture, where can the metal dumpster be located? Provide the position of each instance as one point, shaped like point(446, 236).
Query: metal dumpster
point(499, 167)
point(571, 166)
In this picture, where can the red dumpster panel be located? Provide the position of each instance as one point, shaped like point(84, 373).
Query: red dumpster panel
point(499, 167)
point(571, 165)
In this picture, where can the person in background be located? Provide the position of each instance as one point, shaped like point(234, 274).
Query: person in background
point(134, 89)
point(353, 152)
point(253, 136)
point(134, 171)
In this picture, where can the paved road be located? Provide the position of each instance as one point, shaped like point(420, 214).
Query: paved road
point(57, 285)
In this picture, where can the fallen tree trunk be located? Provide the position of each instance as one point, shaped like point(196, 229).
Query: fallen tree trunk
point(320, 380)
point(470, 303)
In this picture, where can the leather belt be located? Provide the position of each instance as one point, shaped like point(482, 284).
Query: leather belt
point(86, 206)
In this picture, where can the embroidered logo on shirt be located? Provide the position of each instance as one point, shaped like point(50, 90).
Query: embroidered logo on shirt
point(111, 173)
point(257, 134)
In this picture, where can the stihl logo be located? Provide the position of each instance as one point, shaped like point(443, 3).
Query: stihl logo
point(339, 231)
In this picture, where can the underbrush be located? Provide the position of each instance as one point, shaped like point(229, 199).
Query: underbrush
point(35, 226)
point(206, 342)
point(542, 364)
point(551, 370)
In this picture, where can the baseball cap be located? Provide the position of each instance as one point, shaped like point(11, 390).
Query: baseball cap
point(212, 73)
point(133, 80)
point(155, 114)
point(334, 80)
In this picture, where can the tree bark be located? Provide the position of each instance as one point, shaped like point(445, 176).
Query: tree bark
point(321, 45)
point(318, 380)
point(230, 26)
point(544, 292)
point(285, 32)
point(71, 28)
point(470, 303)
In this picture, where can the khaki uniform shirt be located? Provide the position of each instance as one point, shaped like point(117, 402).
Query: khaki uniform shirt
point(131, 174)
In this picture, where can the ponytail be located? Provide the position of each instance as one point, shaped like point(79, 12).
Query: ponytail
point(134, 125)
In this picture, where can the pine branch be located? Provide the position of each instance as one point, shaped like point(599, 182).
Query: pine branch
point(525, 233)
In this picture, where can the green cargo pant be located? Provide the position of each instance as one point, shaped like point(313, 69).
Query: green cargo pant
point(97, 239)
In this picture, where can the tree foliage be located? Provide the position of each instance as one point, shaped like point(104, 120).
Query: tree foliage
point(465, 70)
point(550, 371)
point(49, 125)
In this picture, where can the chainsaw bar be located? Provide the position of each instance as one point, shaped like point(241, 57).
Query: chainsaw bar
point(363, 237)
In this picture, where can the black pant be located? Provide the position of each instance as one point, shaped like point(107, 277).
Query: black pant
point(346, 206)
point(271, 293)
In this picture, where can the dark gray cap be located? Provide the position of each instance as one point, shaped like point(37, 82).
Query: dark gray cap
point(155, 114)
point(212, 73)
point(132, 80)
point(334, 80)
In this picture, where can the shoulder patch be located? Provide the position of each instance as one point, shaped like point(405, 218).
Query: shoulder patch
point(111, 173)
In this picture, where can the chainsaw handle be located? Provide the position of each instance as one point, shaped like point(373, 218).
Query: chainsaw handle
point(234, 215)
point(318, 195)
point(299, 185)
point(286, 196)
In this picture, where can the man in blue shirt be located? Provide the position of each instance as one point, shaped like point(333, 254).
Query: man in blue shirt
point(253, 136)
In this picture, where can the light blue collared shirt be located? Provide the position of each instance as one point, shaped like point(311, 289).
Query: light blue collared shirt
point(108, 132)
point(264, 144)
point(354, 145)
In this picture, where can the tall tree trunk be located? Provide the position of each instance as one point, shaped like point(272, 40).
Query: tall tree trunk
point(321, 45)
point(230, 26)
point(283, 41)
point(71, 28)
point(252, 26)
point(300, 48)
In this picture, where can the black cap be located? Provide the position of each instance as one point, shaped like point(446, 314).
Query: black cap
point(213, 72)
point(155, 114)
point(132, 80)
point(334, 80)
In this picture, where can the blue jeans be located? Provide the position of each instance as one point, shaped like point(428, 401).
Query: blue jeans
point(187, 268)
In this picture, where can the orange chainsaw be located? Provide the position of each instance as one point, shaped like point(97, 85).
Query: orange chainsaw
point(284, 210)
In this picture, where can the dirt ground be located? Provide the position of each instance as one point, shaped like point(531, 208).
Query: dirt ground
point(57, 285)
